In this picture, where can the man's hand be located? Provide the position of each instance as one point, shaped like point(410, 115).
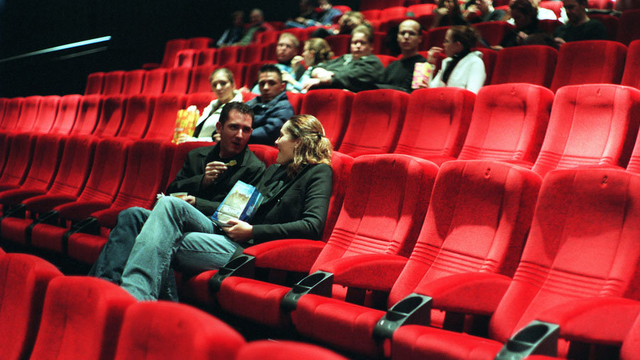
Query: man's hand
point(212, 171)
point(310, 84)
point(560, 41)
point(240, 231)
point(190, 199)
point(286, 77)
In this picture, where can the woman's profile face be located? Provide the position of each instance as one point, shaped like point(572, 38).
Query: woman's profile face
point(309, 56)
point(222, 87)
point(286, 144)
point(451, 47)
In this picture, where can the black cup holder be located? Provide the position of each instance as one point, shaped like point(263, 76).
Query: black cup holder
point(242, 265)
point(318, 283)
point(537, 338)
point(414, 309)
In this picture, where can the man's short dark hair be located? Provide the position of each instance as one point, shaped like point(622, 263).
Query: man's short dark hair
point(270, 68)
point(240, 107)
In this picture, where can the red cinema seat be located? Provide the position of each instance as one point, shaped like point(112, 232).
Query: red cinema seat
point(180, 154)
point(333, 108)
point(371, 14)
point(177, 80)
point(186, 58)
point(384, 205)
point(163, 120)
point(28, 114)
point(200, 42)
point(171, 48)
point(66, 115)
point(23, 283)
point(206, 57)
point(489, 59)
point(94, 83)
point(132, 82)
point(281, 350)
point(200, 79)
point(494, 31)
point(508, 123)
point(589, 62)
point(164, 330)
point(266, 153)
point(200, 100)
point(531, 64)
point(88, 115)
point(295, 99)
point(137, 116)
point(435, 37)
point(375, 123)
point(555, 6)
point(629, 29)
point(463, 232)
point(12, 111)
point(379, 4)
point(81, 318)
point(239, 73)
point(426, 20)
point(436, 123)
point(154, 81)
point(18, 160)
point(98, 194)
point(394, 12)
point(144, 178)
point(251, 53)
point(3, 105)
point(583, 244)
point(111, 115)
point(611, 23)
point(71, 177)
point(590, 125)
point(421, 9)
point(631, 76)
point(340, 44)
point(251, 74)
point(113, 83)
point(47, 112)
point(228, 55)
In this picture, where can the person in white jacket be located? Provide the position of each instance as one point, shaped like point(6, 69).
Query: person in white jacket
point(223, 85)
point(462, 68)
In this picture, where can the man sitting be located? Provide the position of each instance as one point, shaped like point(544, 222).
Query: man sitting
point(398, 74)
point(579, 27)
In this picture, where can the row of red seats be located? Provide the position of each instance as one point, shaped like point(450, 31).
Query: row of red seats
point(48, 316)
point(383, 5)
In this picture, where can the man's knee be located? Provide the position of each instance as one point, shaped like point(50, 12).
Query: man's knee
point(135, 215)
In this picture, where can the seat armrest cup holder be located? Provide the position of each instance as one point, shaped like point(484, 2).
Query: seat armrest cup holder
point(537, 338)
point(413, 309)
point(242, 266)
point(319, 283)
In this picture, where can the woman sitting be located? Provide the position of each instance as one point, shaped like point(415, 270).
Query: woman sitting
point(448, 13)
point(296, 194)
point(462, 68)
point(223, 85)
point(315, 53)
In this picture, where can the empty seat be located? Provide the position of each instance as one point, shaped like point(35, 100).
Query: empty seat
point(508, 123)
point(200, 79)
point(435, 37)
point(165, 112)
point(11, 114)
point(28, 113)
point(583, 243)
point(81, 318)
point(154, 81)
point(532, 64)
point(137, 116)
point(171, 48)
point(94, 83)
point(629, 28)
point(589, 62)
point(375, 123)
point(421, 9)
point(631, 76)
point(436, 123)
point(494, 31)
point(333, 108)
point(186, 58)
point(47, 112)
point(280, 350)
point(66, 115)
point(200, 99)
point(611, 23)
point(113, 83)
point(228, 55)
point(206, 57)
point(18, 160)
point(88, 115)
point(111, 115)
point(177, 80)
point(251, 53)
point(23, 282)
point(238, 71)
point(200, 42)
point(380, 4)
point(463, 232)
point(132, 82)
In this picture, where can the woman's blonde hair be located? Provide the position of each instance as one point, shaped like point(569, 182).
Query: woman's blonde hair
point(321, 49)
point(314, 147)
point(226, 72)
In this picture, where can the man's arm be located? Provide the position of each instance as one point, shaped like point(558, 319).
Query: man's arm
point(361, 74)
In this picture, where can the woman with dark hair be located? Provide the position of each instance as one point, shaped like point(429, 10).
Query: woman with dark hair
point(462, 68)
point(296, 193)
point(448, 13)
point(526, 31)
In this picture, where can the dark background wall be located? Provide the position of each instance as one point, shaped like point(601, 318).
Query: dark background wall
point(138, 30)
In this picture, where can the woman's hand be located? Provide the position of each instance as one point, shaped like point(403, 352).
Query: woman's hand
point(295, 62)
point(240, 231)
point(310, 84)
point(431, 55)
point(183, 138)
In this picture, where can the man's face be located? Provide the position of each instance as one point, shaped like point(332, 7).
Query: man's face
point(360, 45)
point(575, 11)
point(234, 134)
point(409, 36)
point(255, 17)
point(270, 85)
point(285, 50)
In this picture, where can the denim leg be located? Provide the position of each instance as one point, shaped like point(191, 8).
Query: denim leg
point(114, 254)
point(148, 267)
point(200, 252)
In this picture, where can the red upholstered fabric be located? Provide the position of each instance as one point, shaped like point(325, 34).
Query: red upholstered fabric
point(384, 205)
point(611, 22)
point(94, 83)
point(66, 115)
point(23, 282)
point(239, 72)
point(266, 153)
point(590, 125)
point(376, 122)
point(88, 114)
point(111, 115)
point(200, 79)
point(81, 318)
point(552, 5)
point(18, 161)
point(170, 50)
point(200, 99)
point(200, 42)
point(154, 81)
point(629, 29)
point(631, 75)
point(28, 113)
point(295, 99)
point(113, 83)
point(532, 64)
point(339, 44)
point(436, 123)
point(392, 13)
point(228, 55)
point(380, 4)
point(206, 57)
point(46, 114)
point(489, 59)
point(583, 243)
point(164, 330)
point(589, 62)
point(163, 120)
point(508, 123)
point(132, 82)
point(421, 9)
point(333, 108)
point(435, 37)
point(11, 113)
point(177, 80)
point(478, 218)
point(285, 350)
point(493, 31)
point(186, 58)
point(137, 116)
point(251, 53)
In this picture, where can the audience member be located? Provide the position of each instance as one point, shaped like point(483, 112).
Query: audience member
point(347, 22)
point(223, 85)
point(398, 74)
point(448, 14)
point(286, 50)
point(257, 25)
point(543, 13)
point(207, 176)
point(482, 11)
point(462, 68)
point(296, 194)
point(580, 26)
point(271, 107)
point(360, 70)
point(526, 31)
point(316, 52)
point(323, 15)
point(233, 34)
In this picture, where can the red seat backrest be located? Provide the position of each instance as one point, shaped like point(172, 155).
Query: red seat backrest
point(66, 115)
point(532, 64)
point(333, 108)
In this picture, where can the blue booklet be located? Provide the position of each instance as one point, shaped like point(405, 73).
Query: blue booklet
point(240, 203)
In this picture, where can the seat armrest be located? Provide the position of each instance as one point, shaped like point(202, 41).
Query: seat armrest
point(603, 320)
point(537, 338)
point(107, 217)
point(16, 196)
point(80, 210)
point(469, 293)
point(318, 283)
point(370, 272)
point(45, 203)
point(297, 255)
